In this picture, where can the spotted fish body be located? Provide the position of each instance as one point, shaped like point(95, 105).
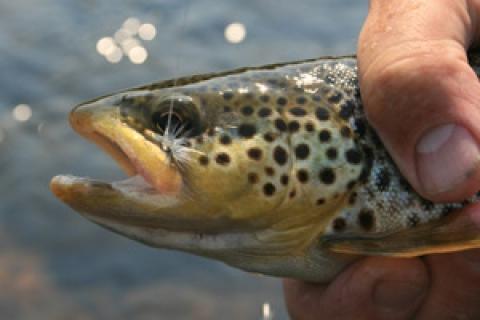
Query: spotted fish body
point(262, 168)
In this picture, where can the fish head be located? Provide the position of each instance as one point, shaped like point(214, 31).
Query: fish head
point(212, 173)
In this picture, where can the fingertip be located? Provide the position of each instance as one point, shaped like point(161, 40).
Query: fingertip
point(446, 157)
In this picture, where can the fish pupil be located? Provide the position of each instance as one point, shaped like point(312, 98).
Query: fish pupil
point(162, 121)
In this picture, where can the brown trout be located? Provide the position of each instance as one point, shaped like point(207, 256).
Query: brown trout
point(270, 169)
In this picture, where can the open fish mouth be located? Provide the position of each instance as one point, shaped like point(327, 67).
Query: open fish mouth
point(153, 193)
point(115, 151)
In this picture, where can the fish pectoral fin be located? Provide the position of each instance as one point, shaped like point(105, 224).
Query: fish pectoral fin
point(456, 232)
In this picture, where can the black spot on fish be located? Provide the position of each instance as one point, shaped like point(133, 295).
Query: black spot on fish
point(298, 111)
point(227, 95)
point(280, 155)
point(339, 224)
point(264, 112)
point(322, 114)
point(360, 127)
point(324, 135)
point(353, 156)
point(302, 176)
point(269, 171)
point(292, 194)
point(335, 98)
point(252, 177)
point(280, 125)
point(346, 110)
point(281, 101)
point(247, 110)
point(302, 151)
point(345, 132)
point(254, 153)
point(309, 127)
point(268, 189)
point(225, 140)
point(211, 132)
point(293, 126)
point(301, 100)
point(246, 130)
point(327, 176)
point(366, 219)
point(269, 137)
point(222, 158)
point(332, 153)
point(203, 160)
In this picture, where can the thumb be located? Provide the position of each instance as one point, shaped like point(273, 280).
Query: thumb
point(420, 93)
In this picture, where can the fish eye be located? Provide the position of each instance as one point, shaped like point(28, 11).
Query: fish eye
point(177, 116)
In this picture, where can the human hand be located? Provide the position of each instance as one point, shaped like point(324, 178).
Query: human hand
point(423, 99)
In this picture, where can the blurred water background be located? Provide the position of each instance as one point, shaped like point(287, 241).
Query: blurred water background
point(53, 263)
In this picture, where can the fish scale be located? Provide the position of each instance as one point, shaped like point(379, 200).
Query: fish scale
point(271, 169)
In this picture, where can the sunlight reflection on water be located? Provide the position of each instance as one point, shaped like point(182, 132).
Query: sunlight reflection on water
point(235, 32)
point(22, 112)
point(127, 41)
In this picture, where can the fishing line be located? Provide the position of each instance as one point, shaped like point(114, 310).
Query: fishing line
point(176, 68)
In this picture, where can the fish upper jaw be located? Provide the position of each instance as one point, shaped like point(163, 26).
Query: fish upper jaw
point(101, 123)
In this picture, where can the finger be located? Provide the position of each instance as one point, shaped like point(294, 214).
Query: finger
point(420, 93)
point(302, 298)
point(455, 283)
point(372, 288)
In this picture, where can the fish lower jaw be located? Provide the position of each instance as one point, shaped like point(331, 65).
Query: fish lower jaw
point(83, 191)
point(136, 183)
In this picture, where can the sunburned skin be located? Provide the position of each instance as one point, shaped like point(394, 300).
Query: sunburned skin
point(272, 169)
